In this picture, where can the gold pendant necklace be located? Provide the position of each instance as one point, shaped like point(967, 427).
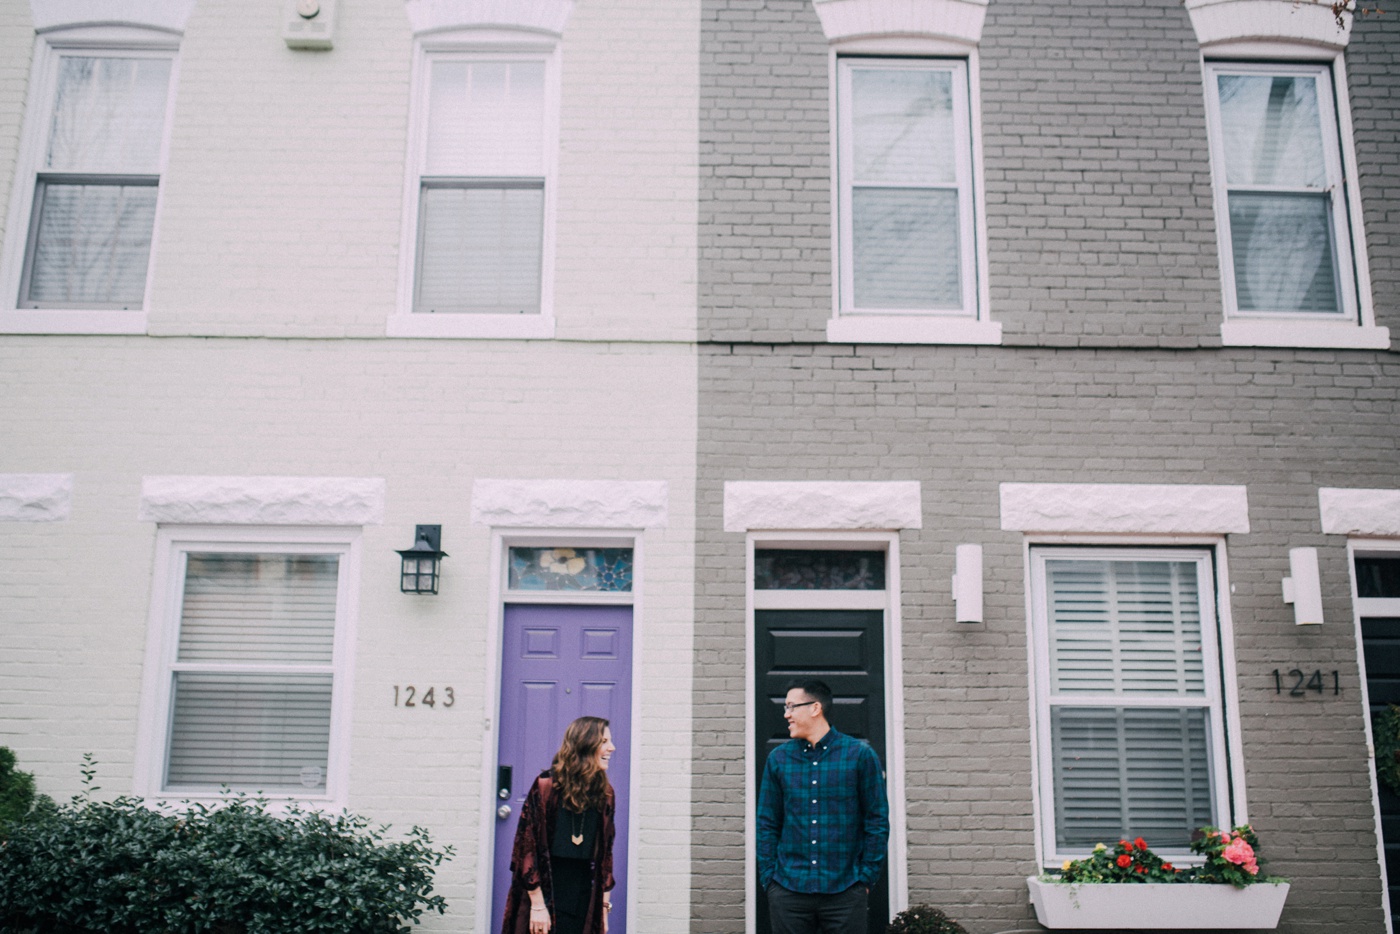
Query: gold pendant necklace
point(577, 837)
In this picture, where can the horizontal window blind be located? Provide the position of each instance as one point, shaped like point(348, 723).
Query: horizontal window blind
point(245, 710)
point(263, 732)
point(1124, 772)
point(1124, 627)
point(259, 608)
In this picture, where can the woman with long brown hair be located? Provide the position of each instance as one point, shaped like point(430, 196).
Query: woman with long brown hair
point(561, 864)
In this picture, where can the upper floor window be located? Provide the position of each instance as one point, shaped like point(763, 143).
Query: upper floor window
point(483, 179)
point(85, 198)
point(1281, 191)
point(905, 211)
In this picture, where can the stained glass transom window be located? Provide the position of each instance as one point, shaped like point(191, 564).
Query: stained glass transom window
point(599, 569)
point(794, 569)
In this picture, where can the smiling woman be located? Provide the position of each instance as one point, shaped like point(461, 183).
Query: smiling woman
point(561, 863)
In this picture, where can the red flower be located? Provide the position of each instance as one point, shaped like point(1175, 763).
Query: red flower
point(1141, 843)
point(1142, 869)
point(1169, 867)
point(1124, 861)
point(1126, 845)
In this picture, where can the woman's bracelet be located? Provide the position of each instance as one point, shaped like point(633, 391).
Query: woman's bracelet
point(540, 908)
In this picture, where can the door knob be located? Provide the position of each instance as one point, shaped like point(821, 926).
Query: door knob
point(503, 811)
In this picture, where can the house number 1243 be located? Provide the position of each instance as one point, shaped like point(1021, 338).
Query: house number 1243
point(1298, 682)
point(408, 696)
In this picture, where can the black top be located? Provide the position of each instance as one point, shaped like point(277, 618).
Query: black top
point(571, 824)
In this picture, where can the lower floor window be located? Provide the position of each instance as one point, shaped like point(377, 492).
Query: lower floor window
point(1128, 678)
point(250, 679)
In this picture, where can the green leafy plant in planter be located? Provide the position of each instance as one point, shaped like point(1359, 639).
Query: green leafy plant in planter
point(1231, 858)
point(120, 867)
point(924, 919)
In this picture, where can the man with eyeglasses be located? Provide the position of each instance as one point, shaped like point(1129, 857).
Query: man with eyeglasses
point(823, 822)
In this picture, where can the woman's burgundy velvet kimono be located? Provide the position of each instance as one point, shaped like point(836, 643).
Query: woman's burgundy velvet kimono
point(529, 859)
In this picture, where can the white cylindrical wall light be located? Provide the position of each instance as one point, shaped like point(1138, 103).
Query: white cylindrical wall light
point(967, 584)
point(1303, 588)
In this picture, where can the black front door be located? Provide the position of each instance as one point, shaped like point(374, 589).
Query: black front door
point(1379, 578)
point(844, 648)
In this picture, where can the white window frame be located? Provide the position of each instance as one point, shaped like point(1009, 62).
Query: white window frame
point(475, 45)
point(971, 323)
point(121, 41)
point(1221, 700)
point(173, 544)
point(1354, 325)
point(1360, 547)
point(887, 600)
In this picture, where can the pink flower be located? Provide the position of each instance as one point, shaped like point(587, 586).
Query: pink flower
point(1239, 852)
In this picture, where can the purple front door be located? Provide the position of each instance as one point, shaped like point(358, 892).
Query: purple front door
point(558, 663)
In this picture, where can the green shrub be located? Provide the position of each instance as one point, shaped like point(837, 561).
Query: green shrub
point(924, 919)
point(17, 796)
point(120, 867)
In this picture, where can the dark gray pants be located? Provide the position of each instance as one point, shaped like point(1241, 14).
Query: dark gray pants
point(796, 913)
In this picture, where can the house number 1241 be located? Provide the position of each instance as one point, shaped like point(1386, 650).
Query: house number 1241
point(1298, 682)
point(409, 697)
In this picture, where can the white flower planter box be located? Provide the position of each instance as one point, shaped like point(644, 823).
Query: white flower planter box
point(1162, 906)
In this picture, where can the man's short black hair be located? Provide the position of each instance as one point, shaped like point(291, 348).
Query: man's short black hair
point(818, 691)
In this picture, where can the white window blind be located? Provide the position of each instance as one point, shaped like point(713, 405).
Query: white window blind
point(252, 681)
point(1131, 697)
point(481, 202)
point(1285, 215)
point(95, 191)
point(904, 165)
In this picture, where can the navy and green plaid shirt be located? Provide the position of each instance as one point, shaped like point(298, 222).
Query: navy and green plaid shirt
point(823, 821)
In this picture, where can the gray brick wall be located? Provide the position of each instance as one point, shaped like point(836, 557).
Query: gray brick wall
point(1373, 72)
point(962, 421)
point(1104, 273)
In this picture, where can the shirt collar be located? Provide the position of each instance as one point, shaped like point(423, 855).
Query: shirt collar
point(823, 744)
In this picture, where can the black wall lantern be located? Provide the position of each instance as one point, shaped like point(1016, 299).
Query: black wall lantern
point(422, 561)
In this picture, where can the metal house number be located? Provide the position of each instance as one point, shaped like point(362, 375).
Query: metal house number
point(1299, 683)
point(409, 696)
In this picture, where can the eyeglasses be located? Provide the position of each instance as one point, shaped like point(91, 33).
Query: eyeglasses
point(789, 708)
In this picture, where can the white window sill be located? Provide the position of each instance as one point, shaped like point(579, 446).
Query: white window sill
point(478, 326)
point(1273, 332)
point(67, 321)
point(911, 329)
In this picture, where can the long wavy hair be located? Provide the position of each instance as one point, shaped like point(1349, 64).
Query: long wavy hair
point(581, 781)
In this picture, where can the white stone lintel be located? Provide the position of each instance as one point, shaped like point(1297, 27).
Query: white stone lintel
point(1305, 21)
point(431, 16)
point(1359, 512)
point(263, 500)
point(165, 15)
point(35, 497)
point(960, 20)
point(571, 504)
point(812, 505)
point(1132, 508)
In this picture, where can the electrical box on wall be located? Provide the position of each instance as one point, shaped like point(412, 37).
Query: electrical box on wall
point(308, 24)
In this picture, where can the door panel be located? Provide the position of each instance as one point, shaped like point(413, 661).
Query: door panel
point(844, 648)
point(1380, 646)
point(559, 663)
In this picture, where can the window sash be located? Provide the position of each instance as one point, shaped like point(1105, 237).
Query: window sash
point(1276, 261)
point(1079, 802)
point(76, 258)
point(896, 257)
point(498, 270)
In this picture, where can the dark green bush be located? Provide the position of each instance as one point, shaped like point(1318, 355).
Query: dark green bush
point(121, 867)
point(924, 919)
point(17, 796)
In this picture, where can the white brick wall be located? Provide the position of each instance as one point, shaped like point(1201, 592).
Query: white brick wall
point(76, 593)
